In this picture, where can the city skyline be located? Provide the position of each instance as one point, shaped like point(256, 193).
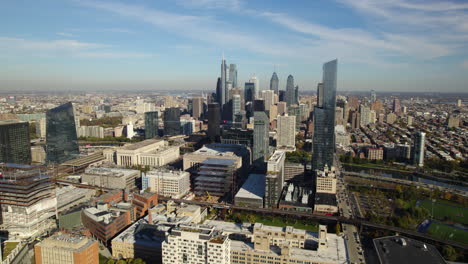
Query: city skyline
point(86, 45)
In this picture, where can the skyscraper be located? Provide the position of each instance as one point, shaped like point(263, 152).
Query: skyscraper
point(197, 107)
point(151, 124)
point(224, 92)
point(274, 82)
point(233, 75)
point(290, 91)
point(418, 148)
point(214, 121)
point(249, 92)
point(286, 135)
point(236, 106)
point(324, 119)
point(61, 139)
point(296, 94)
point(14, 142)
point(396, 105)
point(219, 94)
point(373, 96)
point(254, 80)
point(172, 121)
point(261, 139)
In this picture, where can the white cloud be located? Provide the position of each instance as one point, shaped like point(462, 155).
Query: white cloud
point(211, 4)
point(114, 55)
point(63, 34)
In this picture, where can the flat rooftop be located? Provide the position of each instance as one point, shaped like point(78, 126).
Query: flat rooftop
point(326, 198)
point(253, 188)
point(11, 121)
point(140, 144)
point(111, 172)
point(401, 250)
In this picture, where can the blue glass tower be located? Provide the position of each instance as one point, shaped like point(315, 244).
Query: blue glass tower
point(62, 142)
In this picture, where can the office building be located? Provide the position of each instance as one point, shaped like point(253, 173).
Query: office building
point(193, 244)
point(256, 83)
point(114, 178)
point(290, 91)
point(323, 147)
point(240, 154)
point(365, 115)
point(296, 94)
point(216, 177)
point(396, 106)
point(282, 108)
point(274, 180)
point(173, 184)
point(261, 138)
point(41, 126)
point(286, 133)
point(197, 107)
point(294, 171)
point(391, 118)
point(400, 249)
point(66, 249)
point(150, 152)
point(236, 106)
point(14, 142)
point(249, 92)
point(374, 153)
point(233, 75)
point(459, 103)
point(219, 94)
point(274, 82)
point(223, 89)
point(91, 131)
point(61, 139)
point(373, 96)
point(453, 121)
point(214, 122)
point(252, 192)
point(172, 121)
point(27, 201)
point(238, 136)
point(326, 181)
point(151, 124)
point(419, 142)
point(409, 120)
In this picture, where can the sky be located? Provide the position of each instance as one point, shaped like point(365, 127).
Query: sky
point(385, 45)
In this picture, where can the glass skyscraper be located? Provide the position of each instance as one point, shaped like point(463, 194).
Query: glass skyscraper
point(172, 121)
point(261, 138)
point(323, 147)
point(290, 91)
point(224, 92)
point(151, 124)
point(233, 75)
point(274, 82)
point(14, 142)
point(249, 92)
point(61, 139)
point(418, 148)
point(214, 121)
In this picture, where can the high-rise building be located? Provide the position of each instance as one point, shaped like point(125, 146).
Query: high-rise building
point(323, 147)
point(261, 139)
point(256, 82)
point(214, 121)
point(373, 96)
point(233, 75)
point(459, 103)
point(236, 106)
point(282, 108)
point(219, 93)
point(274, 179)
point(14, 142)
point(290, 91)
point(61, 139)
point(224, 91)
point(418, 148)
point(172, 121)
point(365, 115)
point(151, 124)
point(27, 201)
point(286, 135)
point(396, 105)
point(249, 92)
point(274, 82)
point(268, 96)
point(296, 94)
point(67, 249)
point(282, 96)
point(41, 127)
point(197, 107)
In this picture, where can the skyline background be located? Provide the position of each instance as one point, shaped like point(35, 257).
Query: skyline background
point(393, 45)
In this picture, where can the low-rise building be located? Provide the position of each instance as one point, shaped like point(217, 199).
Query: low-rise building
point(216, 177)
point(66, 249)
point(114, 178)
point(252, 192)
point(173, 184)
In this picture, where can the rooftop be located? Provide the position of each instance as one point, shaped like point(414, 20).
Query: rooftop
point(140, 144)
point(113, 172)
point(11, 121)
point(325, 198)
point(253, 188)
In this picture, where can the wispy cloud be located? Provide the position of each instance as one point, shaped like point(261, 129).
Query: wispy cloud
point(114, 55)
point(210, 4)
point(63, 34)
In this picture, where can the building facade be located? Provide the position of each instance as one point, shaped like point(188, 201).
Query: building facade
point(151, 124)
point(66, 249)
point(174, 184)
point(14, 142)
point(286, 132)
point(61, 139)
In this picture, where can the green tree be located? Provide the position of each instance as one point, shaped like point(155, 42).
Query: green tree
point(449, 253)
point(338, 228)
point(110, 261)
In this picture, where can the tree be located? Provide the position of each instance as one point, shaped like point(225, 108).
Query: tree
point(338, 229)
point(138, 261)
point(449, 253)
point(110, 261)
point(121, 261)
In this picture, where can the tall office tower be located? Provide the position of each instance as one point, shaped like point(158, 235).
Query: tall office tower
point(67, 249)
point(224, 91)
point(418, 148)
point(274, 179)
point(282, 108)
point(197, 107)
point(249, 92)
point(151, 124)
point(261, 138)
point(355, 119)
point(172, 121)
point(396, 105)
point(27, 202)
point(290, 91)
point(14, 142)
point(61, 139)
point(269, 97)
point(373, 96)
point(274, 82)
point(459, 103)
point(282, 96)
point(296, 94)
point(286, 132)
point(214, 121)
point(365, 115)
point(323, 146)
point(233, 75)
point(219, 93)
point(236, 106)
point(41, 127)
point(254, 80)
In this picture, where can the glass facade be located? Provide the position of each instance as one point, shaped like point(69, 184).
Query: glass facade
point(151, 124)
point(214, 121)
point(62, 142)
point(290, 91)
point(172, 121)
point(14, 142)
point(323, 147)
point(261, 138)
point(249, 92)
point(274, 82)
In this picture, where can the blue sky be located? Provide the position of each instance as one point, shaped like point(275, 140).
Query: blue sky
point(392, 45)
